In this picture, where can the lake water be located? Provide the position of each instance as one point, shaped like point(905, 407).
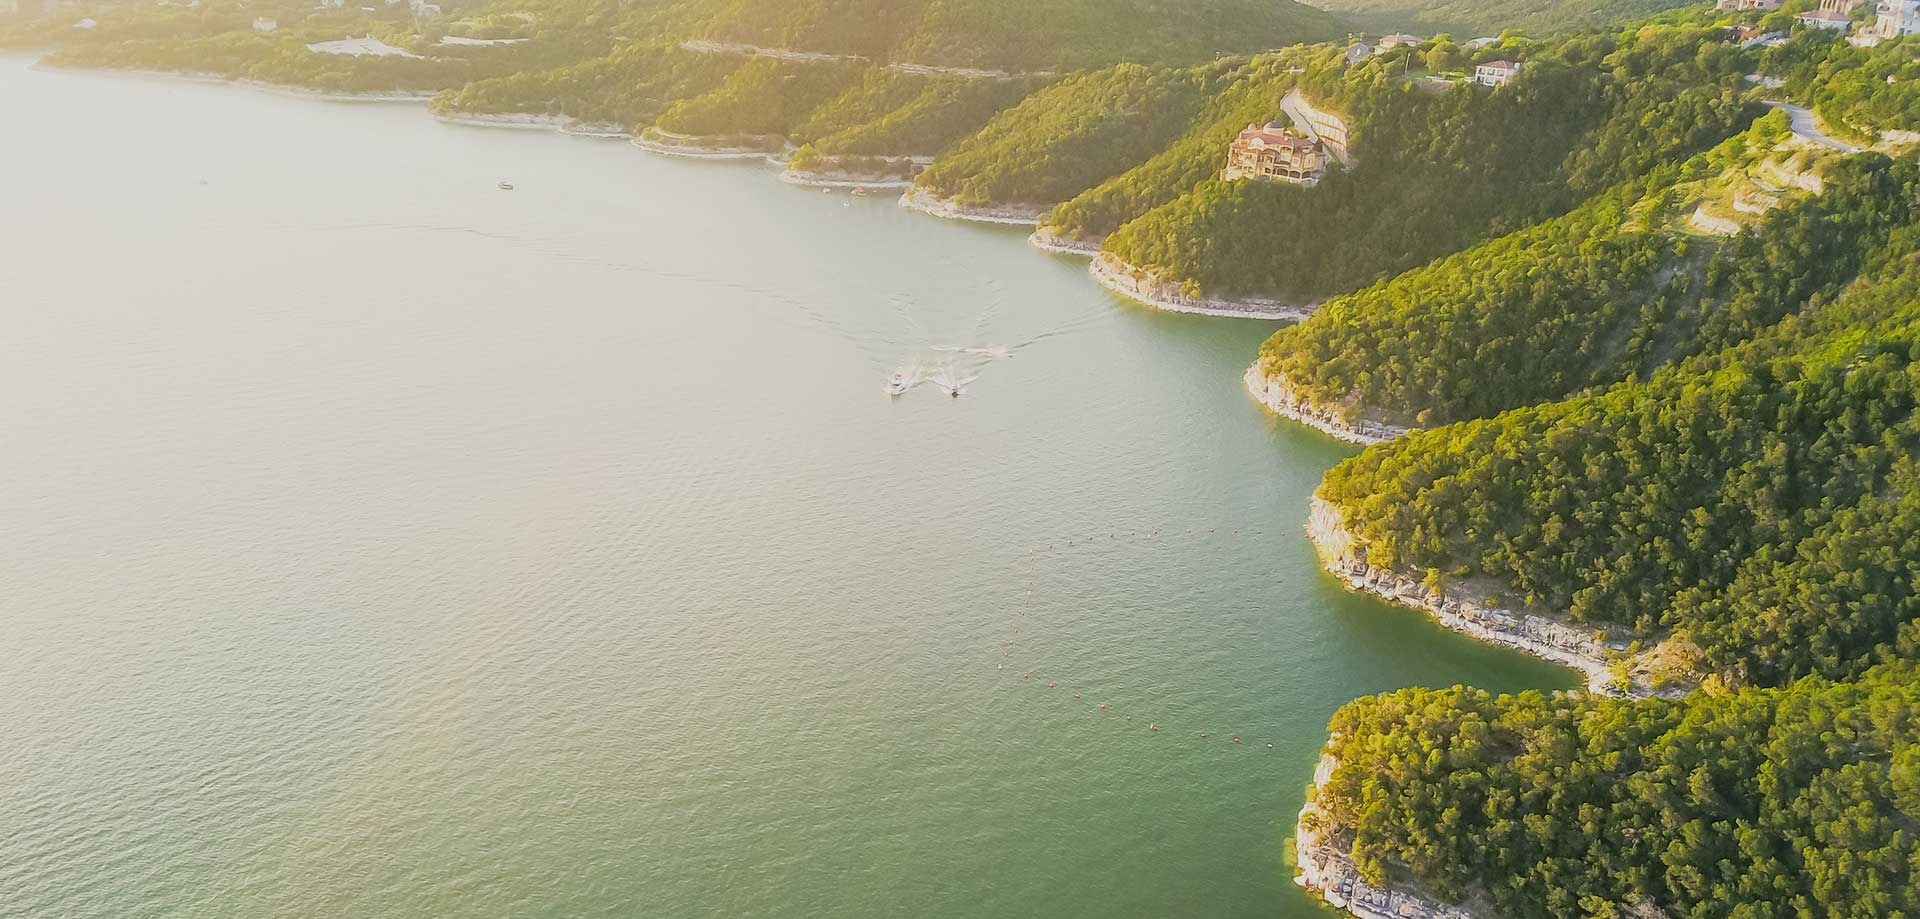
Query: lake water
point(384, 544)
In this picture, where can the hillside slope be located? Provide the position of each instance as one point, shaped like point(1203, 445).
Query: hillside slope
point(1491, 17)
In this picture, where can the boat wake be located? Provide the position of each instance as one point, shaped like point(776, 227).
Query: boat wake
point(956, 367)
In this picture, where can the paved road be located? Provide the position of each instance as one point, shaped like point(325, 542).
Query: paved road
point(1805, 126)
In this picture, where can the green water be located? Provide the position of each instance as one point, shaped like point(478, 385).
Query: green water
point(384, 544)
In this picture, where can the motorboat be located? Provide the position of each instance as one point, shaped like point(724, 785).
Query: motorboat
point(506, 186)
point(899, 383)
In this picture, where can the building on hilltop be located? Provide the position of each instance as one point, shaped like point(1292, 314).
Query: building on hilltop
point(1895, 18)
point(1741, 6)
point(265, 24)
point(1357, 52)
point(1400, 40)
point(1495, 73)
point(1273, 153)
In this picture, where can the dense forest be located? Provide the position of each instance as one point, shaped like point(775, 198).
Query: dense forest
point(1779, 803)
point(1070, 136)
point(1237, 96)
point(1656, 504)
point(1710, 442)
point(1028, 35)
point(1605, 293)
point(631, 86)
point(1438, 172)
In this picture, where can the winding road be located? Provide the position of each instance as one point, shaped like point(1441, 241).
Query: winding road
point(1805, 125)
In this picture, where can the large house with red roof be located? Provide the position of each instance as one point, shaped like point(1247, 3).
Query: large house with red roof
point(1273, 153)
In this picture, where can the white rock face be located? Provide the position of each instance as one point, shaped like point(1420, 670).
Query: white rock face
point(1569, 645)
point(1270, 387)
point(1140, 284)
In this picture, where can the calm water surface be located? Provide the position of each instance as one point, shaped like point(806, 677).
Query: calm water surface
point(383, 544)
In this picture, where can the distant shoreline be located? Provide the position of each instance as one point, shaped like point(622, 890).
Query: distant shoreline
point(1046, 240)
point(565, 124)
point(926, 202)
point(278, 89)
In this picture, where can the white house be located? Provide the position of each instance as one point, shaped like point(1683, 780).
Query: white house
point(1400, 40)
point(265, 24)
point(1497, 73)
point(1825, 19)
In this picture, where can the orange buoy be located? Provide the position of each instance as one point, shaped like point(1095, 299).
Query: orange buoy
point(1026, 676)
point(1236, 740)
point(1129, 717)
point(1049, 684)
point(1076, 695)
point(1103, 705)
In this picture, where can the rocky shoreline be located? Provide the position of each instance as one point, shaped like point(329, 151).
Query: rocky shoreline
point(1328, 871)
point(1046, 239)
point(665, 143)
point(839, 178)
point(926, 202)
point(1137, 284)
point(844, 180)
point(1580, 648)
point(1270, 388)
point(565, 124)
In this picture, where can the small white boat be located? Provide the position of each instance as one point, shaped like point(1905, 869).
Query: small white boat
point(506, 186)
point(899, 383)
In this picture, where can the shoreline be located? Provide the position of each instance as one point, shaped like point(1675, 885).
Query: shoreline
point(1135, 284)
point(1572, 646)
point(1270, 389)
point(843, 180)
point(279, 89)
point(1046, 240)
point(689, 146)
point(833, 178)
point(523, 121)
point(919, 199)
